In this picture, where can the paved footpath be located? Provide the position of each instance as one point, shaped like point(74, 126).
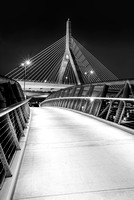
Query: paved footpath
point(70, 156)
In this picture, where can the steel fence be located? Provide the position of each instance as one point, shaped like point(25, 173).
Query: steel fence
point(13, 121)
point(110, 101)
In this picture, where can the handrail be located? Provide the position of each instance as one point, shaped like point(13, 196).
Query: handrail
point(12, 107)
point(90, 98)
point(108, 101)
point(13, 122)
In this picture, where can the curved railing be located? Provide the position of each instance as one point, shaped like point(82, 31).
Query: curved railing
point(112, 101)
point(13, 121)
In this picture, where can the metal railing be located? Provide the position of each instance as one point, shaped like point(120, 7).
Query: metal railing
point(111, 102)
point(13, 121)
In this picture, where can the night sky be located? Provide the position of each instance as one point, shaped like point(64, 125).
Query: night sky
point(106, 29)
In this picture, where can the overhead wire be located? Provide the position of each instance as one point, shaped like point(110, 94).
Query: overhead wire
point(105, 74)
point(39, 67)
point(18, 72)
point(48, 63)
point(82, 65)
point(54, 66)
point(57, 57)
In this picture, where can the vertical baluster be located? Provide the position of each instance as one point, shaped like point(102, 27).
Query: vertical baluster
point(5, 163)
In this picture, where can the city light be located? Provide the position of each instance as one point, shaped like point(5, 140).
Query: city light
point(91, 99)
point(67, 56)
point(91, 72)
point(25, 64)
point(22, 64)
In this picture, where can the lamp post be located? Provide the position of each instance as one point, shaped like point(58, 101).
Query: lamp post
point(25, 64)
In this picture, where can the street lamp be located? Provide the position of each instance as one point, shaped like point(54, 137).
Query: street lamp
point(25, 64)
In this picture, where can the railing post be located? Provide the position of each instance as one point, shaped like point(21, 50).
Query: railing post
point(73, 92)
point(5, 163)
point(109, 110)
point(121, 104)
point(13, 132)
point(24, 113)
point(19, 123)
point(81, 100)
point(103, 94)
point(22, 117)
point(122, 112)
point(89, 93)
point(96, 106)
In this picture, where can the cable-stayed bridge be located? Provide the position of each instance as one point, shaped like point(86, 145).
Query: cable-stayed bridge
point(64, 63)
point(79, 143)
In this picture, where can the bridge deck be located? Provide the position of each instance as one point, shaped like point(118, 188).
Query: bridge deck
point(72, 156)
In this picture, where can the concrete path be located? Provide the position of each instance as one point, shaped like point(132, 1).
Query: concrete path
point(70, 156)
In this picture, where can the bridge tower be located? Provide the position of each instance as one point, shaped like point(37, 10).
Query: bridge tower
point(67, 57)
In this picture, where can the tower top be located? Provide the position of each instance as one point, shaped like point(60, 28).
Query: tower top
point(68, 28)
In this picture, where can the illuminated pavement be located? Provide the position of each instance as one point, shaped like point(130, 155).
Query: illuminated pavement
point(70, 156)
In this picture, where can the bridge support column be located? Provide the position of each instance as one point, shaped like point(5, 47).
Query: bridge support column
point(68, 56)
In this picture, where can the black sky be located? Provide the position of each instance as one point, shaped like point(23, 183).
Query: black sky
point(106, 29)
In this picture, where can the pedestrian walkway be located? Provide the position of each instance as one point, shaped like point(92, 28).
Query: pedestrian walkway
point(70, 156)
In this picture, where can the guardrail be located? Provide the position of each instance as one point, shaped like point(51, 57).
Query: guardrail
point(113, 101)
point(117, 110)
point(13, 121)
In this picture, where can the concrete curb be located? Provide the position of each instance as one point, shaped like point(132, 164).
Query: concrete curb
point(6, 193)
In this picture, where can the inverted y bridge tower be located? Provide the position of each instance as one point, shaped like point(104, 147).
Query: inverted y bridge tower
point(67, 57)
point(66, 61)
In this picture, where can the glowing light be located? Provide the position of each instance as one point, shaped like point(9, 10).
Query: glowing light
point(27, 62)
point(22, 64)
point(91, 99)
point(45, 81)
point(66, 77)
point(85, 73)
point(82, 108)
point(91, 72)
point(67, 56)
